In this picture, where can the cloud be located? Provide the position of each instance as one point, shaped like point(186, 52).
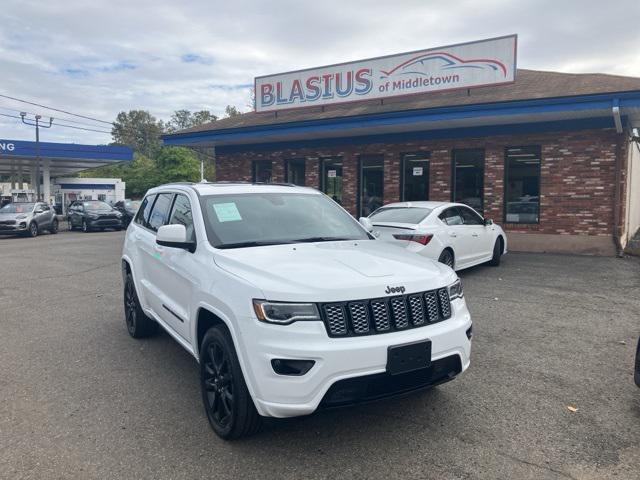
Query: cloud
point(101, 57)
point(195, 58)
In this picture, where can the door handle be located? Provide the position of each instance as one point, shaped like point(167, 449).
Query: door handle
point(474, 234)
point(453, 234)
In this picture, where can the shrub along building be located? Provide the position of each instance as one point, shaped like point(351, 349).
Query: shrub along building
point(550, 156)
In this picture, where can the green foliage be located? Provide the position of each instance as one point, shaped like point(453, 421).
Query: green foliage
point(182, 119)
point(176, 164)
point(140, 130)
point(231, 111)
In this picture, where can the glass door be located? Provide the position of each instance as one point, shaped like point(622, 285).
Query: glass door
point(468, 178)
point(415, 177)
point(371, 183)
point(331, 178)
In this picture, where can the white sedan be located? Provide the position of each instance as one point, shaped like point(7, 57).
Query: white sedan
point(452, 233)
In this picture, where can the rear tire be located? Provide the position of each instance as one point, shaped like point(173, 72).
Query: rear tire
point(54, 227)
point(139, 325)
point(497, 253)
point(227, 402)
point(447, 258)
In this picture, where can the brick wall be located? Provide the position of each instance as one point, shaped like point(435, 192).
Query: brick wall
point(577, 174)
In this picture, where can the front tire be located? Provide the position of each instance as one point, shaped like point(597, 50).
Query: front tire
point(447, 258)
point(33, 229)
point(227, 402)
point(138, 324)
point(85, 227)
point(497, 253)
point(54, 227)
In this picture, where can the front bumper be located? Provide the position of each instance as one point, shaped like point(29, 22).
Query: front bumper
point(20, 226)
point(338, 359)
point(104, 223)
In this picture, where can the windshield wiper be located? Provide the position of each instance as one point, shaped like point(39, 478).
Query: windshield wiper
point(252, 244)
point(320, 239)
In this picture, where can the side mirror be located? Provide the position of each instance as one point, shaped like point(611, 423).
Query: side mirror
point(488, 222)
point(366, 223)
point(174, 236)
point(38, 210)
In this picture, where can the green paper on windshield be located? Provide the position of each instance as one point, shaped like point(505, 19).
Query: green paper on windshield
point(227, 212)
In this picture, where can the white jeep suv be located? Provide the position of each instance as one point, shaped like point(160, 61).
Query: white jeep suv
point(287, 302)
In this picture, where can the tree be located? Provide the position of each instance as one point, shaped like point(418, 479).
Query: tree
point(176, 164)
point(182, 119)
point(138, 129)
point(231, 111)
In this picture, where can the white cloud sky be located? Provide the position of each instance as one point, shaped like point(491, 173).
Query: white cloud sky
point(100, 57)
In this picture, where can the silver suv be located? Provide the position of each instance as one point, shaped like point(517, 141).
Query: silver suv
point(28, 218)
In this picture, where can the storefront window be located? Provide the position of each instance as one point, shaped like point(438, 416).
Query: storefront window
point(415, 177)
point(468, 178)
point(294, 171)
point(371, 183)
point(331, 179)
point(522, 185)
point(262, 171)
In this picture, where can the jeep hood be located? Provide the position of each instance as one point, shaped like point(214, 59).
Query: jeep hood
point(333, 271)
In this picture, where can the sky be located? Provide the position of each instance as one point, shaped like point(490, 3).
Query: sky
point(99, 57)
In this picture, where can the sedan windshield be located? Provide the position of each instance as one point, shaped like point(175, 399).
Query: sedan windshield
point(256, 219)
point(96, 205)
point(400, 214)
point(17, 208)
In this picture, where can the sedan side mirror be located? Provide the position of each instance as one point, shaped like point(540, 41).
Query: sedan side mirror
point(175, 236)
point(488, 222)
point(366, 223)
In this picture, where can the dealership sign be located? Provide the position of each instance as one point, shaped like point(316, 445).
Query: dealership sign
point(468, 65)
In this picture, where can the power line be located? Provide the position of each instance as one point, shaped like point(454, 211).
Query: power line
point(55, 109)
point(65, 119)
point(61, 124)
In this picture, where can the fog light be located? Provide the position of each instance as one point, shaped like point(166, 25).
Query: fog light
point(470, 332)
point(294, 368)
point(23, 225)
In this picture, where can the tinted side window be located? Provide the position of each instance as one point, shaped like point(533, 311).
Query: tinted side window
point(451, 217)
point(145, 209)
point(160, 212)
point(470, 217)
point(181, 215)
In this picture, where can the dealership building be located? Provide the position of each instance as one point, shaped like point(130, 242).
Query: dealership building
point(552, 157)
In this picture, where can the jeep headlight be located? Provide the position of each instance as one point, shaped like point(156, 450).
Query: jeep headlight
point(455, 290)
point(93, 216)
point(285, 313)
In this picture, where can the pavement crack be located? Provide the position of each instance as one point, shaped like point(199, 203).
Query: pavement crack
point(533, 464)
point(97, 267)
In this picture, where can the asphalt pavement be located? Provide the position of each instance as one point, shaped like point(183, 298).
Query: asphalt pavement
point(80, 399)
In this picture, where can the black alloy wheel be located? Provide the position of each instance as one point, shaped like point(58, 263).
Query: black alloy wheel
point(54, 226)
point(228, 404)
point(497, 253)
point(33, 229)
point(85, 227)
point(446, 257)
point(218, 385)
point(139, 325)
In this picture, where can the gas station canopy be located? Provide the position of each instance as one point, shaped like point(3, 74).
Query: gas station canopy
point(61, 159)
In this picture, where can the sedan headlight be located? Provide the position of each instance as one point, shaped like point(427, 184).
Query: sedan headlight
point(455, 290)
point(285, 313)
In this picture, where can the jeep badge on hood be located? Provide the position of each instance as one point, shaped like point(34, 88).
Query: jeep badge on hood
point(399, 289)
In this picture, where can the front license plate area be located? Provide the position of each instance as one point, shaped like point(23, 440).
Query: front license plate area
point(408, 357)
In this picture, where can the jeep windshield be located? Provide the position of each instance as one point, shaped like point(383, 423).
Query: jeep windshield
point(258, 219)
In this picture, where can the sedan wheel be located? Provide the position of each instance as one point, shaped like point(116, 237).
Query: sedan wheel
point(446, 257)
point(85, 227)
point(54, 227)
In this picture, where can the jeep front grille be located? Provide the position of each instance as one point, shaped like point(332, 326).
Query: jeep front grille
point(380, 315)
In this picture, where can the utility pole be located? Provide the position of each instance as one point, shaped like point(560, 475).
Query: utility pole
point(36, 123)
